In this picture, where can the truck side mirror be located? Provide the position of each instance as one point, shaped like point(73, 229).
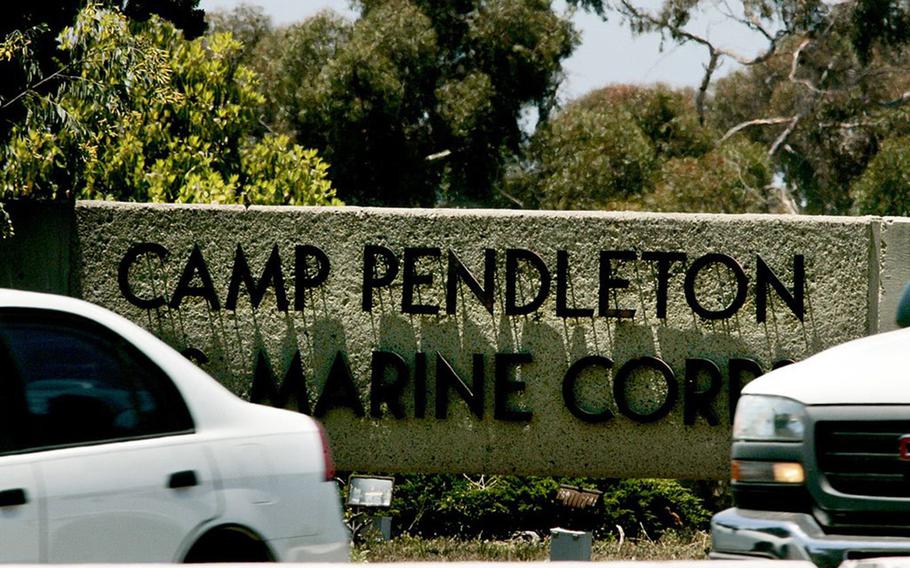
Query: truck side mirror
point(903, 308)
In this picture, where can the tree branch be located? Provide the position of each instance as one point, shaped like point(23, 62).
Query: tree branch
point(751, 21)
point(653, 21)
point(899, 101)
point(32, 88)
point(754, 122)
point(806, 82)
point(786, 133)
point(851, 125)
point(795, 65)
point(511, 198)
point(787, 201)
point(703, 87)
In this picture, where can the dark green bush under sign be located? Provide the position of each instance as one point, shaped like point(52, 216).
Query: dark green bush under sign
point(500, 506)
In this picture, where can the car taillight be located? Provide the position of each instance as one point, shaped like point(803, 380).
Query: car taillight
point(328, 462)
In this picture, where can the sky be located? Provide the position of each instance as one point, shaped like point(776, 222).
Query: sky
point(608, 54)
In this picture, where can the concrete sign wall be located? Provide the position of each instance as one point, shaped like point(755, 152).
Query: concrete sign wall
point(603, 344)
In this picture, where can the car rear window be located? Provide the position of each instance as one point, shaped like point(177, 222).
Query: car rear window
point(83, 384)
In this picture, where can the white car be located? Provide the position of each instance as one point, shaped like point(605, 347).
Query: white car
point(115, 448)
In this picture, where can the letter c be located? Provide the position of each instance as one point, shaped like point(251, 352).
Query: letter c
point(123, 274)
point(568, 389)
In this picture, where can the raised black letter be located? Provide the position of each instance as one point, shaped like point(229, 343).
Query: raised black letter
point(371, 280)
point(411, 279)
point(123, 274)
point(420, 384)
point(794, 301)
point(293, 387)
point(608, 283)
point(663, 261)
point(543, 281)
point(782, 363)
point(699, 402)
point(271, 276)
point(458, 271)
point(384, 391)
point(195, 355)
point(302, 278)
point(339, 389)
point(625, 373)
point(562, 290)
point(742, 283)
point(568, 388)
point(506, 385)
point(447, 377)
point(195, 265)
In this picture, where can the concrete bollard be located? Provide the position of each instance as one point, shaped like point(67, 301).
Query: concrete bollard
point(566, 545)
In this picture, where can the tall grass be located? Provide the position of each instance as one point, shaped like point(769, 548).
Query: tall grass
point(671, 546)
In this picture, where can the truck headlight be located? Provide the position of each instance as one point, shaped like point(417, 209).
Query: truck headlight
point(769, 418)
point(767, 472)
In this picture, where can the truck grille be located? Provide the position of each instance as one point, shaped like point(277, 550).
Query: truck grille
point(861, 457)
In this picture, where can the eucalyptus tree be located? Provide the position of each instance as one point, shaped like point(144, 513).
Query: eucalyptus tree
point(633, 147)
point(823, 95)
point(416, 102)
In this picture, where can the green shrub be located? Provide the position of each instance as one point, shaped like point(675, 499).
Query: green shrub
point(498, 506)
point(653, 506)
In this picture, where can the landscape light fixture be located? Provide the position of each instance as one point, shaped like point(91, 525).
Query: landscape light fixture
point(577, 498)
point(370, 492)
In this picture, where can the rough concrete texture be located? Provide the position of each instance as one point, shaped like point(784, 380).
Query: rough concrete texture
point(894, 268)
point(840, 262)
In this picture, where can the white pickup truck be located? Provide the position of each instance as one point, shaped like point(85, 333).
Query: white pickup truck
point(821, 457)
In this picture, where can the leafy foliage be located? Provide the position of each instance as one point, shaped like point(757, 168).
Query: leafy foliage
point(822, 96)
point(838, 132)
point(884, 187)
point(588, 159)
point(40, 22)
point(627, 147)
point(246, 23)
point(499, 506)
point(734, 178)
point(416, 102)
point(653, 506)
point(150, 116)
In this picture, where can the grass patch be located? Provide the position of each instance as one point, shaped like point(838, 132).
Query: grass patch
point(671, 546)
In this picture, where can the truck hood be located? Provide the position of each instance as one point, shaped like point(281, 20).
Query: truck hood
point(871, 370)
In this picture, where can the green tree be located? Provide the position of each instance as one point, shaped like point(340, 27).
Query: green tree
point(149, 116)
point(589, 158)
point(626, 147)
point(884, 186)
point(249, 25)
point(417, 102)
point(821, 96)
point(822, 125)
point(733, 178)
point(38, 23)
